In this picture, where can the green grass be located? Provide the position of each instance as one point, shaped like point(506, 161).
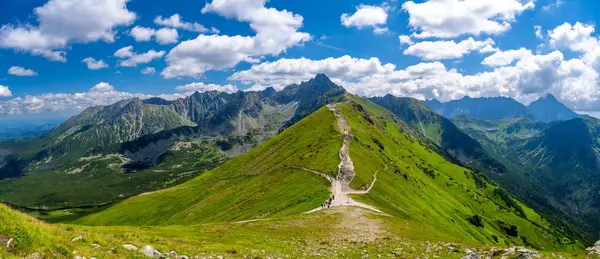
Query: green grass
point(337, 233)
point(257, 184)
point(417, 184)
point(100, 183)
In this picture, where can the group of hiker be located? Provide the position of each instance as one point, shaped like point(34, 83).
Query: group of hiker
point(327, 204)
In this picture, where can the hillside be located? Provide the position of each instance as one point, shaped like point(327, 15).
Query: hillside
point(388, 170)
point(552, 166)
point(106, 154)
point(339, 232)
point(442, 132)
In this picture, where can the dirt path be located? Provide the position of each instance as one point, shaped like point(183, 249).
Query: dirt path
point(340, 185)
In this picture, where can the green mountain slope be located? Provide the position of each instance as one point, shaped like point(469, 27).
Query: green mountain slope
point(552, 166)
point(106, 154)
point(257, 184)
point(440, 131)
point(340, 232)
point(393, 170)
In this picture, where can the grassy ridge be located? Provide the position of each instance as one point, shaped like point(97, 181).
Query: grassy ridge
point(338, 233)
point(417, 184)
point(258, 184)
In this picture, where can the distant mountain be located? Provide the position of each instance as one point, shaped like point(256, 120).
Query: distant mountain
point(553, 166)
point(548, 108)
point(483, 108)
point(440, 131)
point(155, 135)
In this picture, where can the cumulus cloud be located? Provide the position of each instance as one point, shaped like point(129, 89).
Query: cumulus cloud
point(538, 32)
point(367, 16)
point(532, 76)
point(20, 71)
point(452, 18)
point(148, 71)
point(4, 91)
point(132, 59)
point(438, 50)
point(62, 22)
point(202, 87)
point(275, 31)
point(142, 33)
point(175, 21)
point(503, 58)
point(163, 36)
point(405, 39)
point(94, 64)
point(166, 36)
point(101, 94)
point(576, 37)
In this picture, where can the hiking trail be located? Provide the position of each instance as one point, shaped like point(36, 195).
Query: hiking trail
point(340, 185)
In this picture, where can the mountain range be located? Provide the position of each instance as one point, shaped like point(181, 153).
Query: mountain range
point(485, 171)
point(546, 109)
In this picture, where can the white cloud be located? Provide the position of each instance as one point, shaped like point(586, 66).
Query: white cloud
point(124, 52)
point(166, 36)
point(275, 30)
point(405, 39)
point(572, 81)
point(175, 21)
point(142, 33)
point(367, 16)
point(5, 92)
point(94, 64)
point(438, 50)
point(20, 71)
point(576, 37)
point(380, 31)
point(202, 87)
point(452, 18)
point(132, 59)
point(284, 72)
point(504, 58)
point(101, 94)
point(62, 22)
point(148, 71)
point(163, 36)
point(538, 32)
point(554, 5)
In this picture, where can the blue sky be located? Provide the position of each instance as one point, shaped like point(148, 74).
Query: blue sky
point(258, 44)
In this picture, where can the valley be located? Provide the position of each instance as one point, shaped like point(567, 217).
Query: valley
point(343, 177)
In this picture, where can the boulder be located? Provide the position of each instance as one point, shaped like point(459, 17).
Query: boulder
point(130, 247)
point(77, 239)
point(149, 251)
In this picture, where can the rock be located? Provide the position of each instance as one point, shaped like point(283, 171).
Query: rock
point(77, 239)
point(471, 255)
point(130, 247)
point(37, 255)
point(149, 251)
point(94, 245)
point(594, 250)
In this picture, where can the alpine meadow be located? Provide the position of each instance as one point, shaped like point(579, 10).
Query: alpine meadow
point(217, 129)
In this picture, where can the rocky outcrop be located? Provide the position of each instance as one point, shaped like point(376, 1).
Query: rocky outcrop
point(595, 249)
